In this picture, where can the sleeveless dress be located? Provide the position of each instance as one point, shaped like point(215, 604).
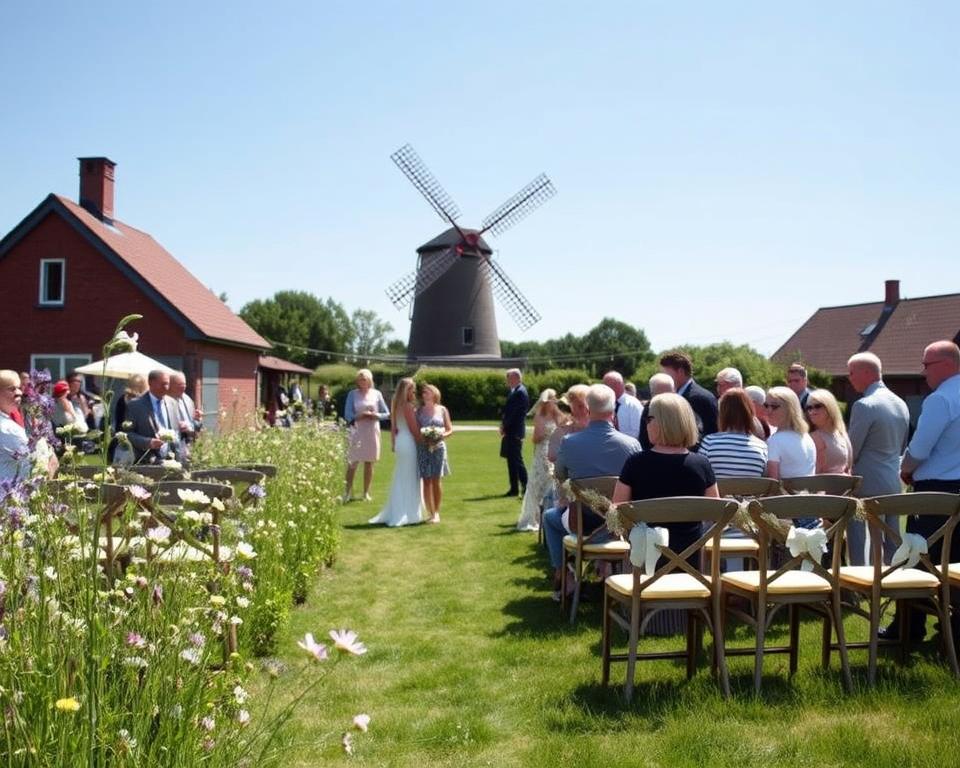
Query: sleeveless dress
point(405, 504)
point(538, 484)
point(432, 463)
point(365, 433)
point(836, 453)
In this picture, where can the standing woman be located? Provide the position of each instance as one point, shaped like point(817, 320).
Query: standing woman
point(432, 455)
point(405, 503)
point(364, 410)
point(546, 419)
point(834, 451)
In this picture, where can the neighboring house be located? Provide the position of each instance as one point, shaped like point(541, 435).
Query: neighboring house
point(895, 329)
point(69, 272)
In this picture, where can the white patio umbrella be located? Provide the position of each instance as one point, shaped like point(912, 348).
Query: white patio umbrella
point(123, 366)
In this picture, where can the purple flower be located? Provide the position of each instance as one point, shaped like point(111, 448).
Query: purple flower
point(257, 491)
point(244, 573)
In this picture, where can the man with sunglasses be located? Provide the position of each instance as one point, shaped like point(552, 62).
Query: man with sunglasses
point(932, 460)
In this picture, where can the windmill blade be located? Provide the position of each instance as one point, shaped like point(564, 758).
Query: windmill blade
point(427, 273)
point(408, 161)
point(506, 292)
point(521, 205)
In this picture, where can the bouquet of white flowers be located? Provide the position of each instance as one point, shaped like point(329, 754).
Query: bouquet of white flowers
point(167, 435)
point(432, 436)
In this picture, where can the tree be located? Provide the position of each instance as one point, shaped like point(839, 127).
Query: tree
point(369, 333)
point(628, 347)
point(297, 321)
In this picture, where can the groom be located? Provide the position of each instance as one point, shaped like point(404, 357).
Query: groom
point(512, 431)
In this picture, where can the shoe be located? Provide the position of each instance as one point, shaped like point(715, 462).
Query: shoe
point(508, 494)
point(555, 595)
point(346, 498)
point(367, 497)
point(892, 632)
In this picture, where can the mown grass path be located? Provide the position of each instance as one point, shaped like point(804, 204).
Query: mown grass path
point(470, 664)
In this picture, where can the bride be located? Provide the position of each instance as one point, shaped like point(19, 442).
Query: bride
point(405, 503)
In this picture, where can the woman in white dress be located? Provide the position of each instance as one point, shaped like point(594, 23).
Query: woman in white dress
point(546, 418)
point(405, 504)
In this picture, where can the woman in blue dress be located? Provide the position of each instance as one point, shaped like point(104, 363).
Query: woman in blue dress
point(435, 427)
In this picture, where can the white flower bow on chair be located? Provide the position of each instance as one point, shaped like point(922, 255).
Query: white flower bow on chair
point(807, 541)
point(644, 542)
point(911, 547)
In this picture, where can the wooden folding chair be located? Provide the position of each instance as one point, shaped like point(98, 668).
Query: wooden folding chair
point(109, 500)
point(740, 488)
point(927, 581)
point(186, 551)
point(269, 470)
point(831, 485)
point(240, 479)
point(769, 589)
point(155, 471)
point(599, 546)
point(673, 585)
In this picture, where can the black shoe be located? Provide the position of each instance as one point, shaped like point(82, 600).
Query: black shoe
point(508, 494)
point(892, 632)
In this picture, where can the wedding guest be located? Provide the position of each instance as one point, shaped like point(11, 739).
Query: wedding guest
point(512, 431)
point(790, 451)
point(680, 368)
point(80, 399)
point(546, 418)
point(65, 414)
point(189, 417)
point(15, 413)
point(798, 382)
point(15, 463)
point(659, 384)
point(326, 408)
point(432, 455)
point(575, 399)
point(626, 416)
point(136, 386)
point(153, 419)
point(735, 451)
point(630, 388)
point(758, 396)
point(728, 378)
point(365, 409)
point(834, 452)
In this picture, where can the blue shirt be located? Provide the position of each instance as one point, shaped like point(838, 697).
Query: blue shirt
point(936, 443)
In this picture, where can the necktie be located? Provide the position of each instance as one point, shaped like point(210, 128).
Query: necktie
point(616, 411)
point(161, 417)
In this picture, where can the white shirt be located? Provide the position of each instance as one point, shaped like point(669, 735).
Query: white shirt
point(796, 453)
point(14, 450)
point(629, 410)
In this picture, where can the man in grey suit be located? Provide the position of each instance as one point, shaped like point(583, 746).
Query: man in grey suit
point(595, 451)
point(150, 413)
point(879, 425)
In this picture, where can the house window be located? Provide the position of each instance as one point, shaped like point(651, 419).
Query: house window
point(53, 274)
point(467, 336)
point(58, 365)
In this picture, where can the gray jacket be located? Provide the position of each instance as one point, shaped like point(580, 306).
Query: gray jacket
point(593, 452)
point(879, 426)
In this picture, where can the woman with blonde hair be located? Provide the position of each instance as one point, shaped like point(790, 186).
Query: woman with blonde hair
point(546, 418)
point(834, 451)
point(790, 451)
point(432, 454)
point(365, 409)
point(405, 503)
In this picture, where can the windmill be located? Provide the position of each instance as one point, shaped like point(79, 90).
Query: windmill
point(456, 277)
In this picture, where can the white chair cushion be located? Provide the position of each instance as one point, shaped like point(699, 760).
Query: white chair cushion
point(791, 582)
point(673, 586)
point(902, 578)
point(735, 545)
point(614, 547)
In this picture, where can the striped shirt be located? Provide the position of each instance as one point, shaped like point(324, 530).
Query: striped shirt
point(734, 454)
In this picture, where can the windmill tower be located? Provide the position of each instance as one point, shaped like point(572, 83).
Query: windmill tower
point(456, 278)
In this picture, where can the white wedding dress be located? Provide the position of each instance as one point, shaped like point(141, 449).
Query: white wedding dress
point(405, 504)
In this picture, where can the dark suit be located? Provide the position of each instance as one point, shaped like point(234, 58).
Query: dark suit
point(145, 426)
point(514, 428)
point(704, 405)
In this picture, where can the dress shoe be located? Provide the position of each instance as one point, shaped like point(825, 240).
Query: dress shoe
point(892, 632)
point(508, 494)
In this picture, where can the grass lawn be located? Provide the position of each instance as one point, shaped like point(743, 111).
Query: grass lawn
point(471, 664)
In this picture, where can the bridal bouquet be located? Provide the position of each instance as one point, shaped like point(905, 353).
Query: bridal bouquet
point(432, 436)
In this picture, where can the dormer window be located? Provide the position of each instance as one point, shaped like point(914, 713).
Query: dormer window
point(867, 330)
point(53, 273)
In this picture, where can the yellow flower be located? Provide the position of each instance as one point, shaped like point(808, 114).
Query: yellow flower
point(67, 705)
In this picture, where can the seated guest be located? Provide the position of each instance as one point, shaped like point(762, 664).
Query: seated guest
point(758, 397)
point(727, 379)
point(65, 414)
point(80, 399)
point(735, 451)
point(16, 460)
point(790, 451)
point(659, 384)
point(834, 452)
point(599, 450)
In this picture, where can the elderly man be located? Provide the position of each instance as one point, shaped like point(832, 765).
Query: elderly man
point(932, 460)
point(728, 378)
point(704, 404)
point(659, 384)
point(758, 396)
point(513, 428)
point(879, 425)
point(598, 450)
point(626, 414)
point(15, 461)
point(189, 417)
point(797, 381)
point(154, 419)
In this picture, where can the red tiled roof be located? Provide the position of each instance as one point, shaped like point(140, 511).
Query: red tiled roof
point(829, 337)
point(174, 282)
point(272, 363)
point(914, 324)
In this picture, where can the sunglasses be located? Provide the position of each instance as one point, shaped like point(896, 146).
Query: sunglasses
point(771, 406)
point(815, 406)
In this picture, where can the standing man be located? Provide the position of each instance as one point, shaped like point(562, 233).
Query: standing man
point(628, 409)
point(150, 413)
point(512, 431)
point(727, 379)
point(797, 381)
point(679, 367)
point(932, 460)
point(879, 425)
point(189, 417)
point(659, 384)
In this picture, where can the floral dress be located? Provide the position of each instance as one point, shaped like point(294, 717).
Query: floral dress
point(432, 460)
point(538, 484)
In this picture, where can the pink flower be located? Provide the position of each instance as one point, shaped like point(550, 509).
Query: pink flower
point(346, 640)
point(138, 492)
point(315, 649)
point(135, 640)
point(361, 722)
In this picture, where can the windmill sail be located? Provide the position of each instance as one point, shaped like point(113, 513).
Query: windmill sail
point(521, 205)
point(509, 296)
point(408, 287)
point(408, 161)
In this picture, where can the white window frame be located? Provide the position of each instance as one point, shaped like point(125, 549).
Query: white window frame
point(62, 356)
point(43, 282)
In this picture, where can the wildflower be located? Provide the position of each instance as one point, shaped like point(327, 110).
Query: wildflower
point(167, 435)
point(243, 602)
point(122, 439)
point(240, 695)
point(190, 654)
point(50, 573)
point(192, 496)
point(236, 621)
point(138, 492)
point(197, 640)
point(218, 600)
point(208, 745)
point(135, 640)
point(257, 491)
point(127, 742)
point(67, 705)
point(315, 649)
point(171, 464)
point(218, 505)
point(347, 743)
point(243, 717)
point(159, 534)
point(127, 425)
point(361, 722)
point(138, 662)
point(245, 551)
point(346, 640)
point(157, 595)
point(208, 724)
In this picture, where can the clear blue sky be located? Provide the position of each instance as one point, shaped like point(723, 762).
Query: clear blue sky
point(723, 168)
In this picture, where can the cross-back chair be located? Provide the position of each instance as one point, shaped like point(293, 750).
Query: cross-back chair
point(740, 488)
point(156, 471)
point(240, 479)
point(832, 485)
point(109, 500)
point(598, 546)
point(801, 581)
point(917, 578)
point(269, 470)
point(186, 549)
point(673, 584)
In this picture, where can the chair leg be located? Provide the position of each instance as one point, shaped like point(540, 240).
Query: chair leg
point(946, 631)
point(794, 638)
point(563, 582)
point(827, 637)
point(632, 650)
point(605, 640)
point(761, 639)
point(903, 616)
point(874, 631)
point(691, 645)
point(719, 652)
point(577, 581)
point(837, 606)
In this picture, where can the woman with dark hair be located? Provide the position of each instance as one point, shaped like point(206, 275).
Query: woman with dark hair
point(735, 451)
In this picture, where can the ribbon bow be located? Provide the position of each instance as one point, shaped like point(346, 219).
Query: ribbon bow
point(911, 547)
point(644, 546)
point(807, 541)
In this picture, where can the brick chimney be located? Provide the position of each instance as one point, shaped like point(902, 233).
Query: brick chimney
point(891, 293)
point(96, 186)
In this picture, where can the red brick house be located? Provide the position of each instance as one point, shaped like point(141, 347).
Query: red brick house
point(895, 329)
point(69, 272)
